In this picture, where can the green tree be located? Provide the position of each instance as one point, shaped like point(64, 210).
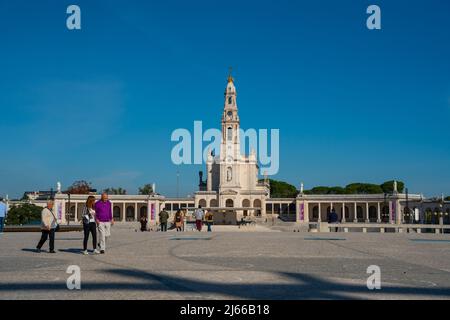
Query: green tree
point(388, 186)
point(281, 189)
point(79, 187)
point(23, 214)
point(146, 189)
point(115, 191)
point(363, 188)
point(326, 190)
point(447, 199)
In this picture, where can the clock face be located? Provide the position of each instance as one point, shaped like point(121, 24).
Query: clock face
point(230, 114)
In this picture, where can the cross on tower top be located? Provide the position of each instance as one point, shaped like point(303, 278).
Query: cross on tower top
point(230, 77)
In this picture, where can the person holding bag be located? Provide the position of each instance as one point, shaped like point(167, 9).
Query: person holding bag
point(89, 225)
point(49, 225)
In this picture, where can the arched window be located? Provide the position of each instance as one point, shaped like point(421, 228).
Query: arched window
point(373, 216)
point(202, 203)
point(360, 214)
point(130, 213)
point(213, 203)
point(257, 204)
point(116, 213)
point(315, 213)
point(229, 203)
point(229, 134)
point(230, 100)
point(143, 211)
point(246, 204)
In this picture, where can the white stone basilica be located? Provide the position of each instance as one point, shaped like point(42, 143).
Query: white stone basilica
point(232, 178)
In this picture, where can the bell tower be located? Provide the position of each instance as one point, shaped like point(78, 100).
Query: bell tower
point(230, 154)
point(230, 146)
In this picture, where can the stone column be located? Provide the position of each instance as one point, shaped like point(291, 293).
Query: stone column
point(367, 213)
point(378, 213)
point(343, 212)
point(76, 212)
point(355, 217)
point(320, 213)
point(123, 212)
point(136, 214)
point(398, 213)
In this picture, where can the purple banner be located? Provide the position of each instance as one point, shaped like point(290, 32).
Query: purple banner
point(301, 212)
point(152, 212)
point(393, 210)
point(59, 211)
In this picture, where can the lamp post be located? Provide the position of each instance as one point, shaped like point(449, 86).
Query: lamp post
point(441, 212)
point(68, 210)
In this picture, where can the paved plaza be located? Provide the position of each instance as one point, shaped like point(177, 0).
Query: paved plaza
point(229, 264)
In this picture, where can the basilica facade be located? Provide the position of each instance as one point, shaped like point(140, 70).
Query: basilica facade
point(232, 178)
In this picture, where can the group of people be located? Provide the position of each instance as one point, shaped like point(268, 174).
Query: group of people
point(179, 219)
point(97, 220)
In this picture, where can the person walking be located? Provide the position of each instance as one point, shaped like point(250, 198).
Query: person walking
point(104, 220)
point(199, 214)
point(2, 214)
point(178, 220)
point(333, 218)
point(89, 225)
point(209, 217)
point(143, 222)
point(163, 218)
point(49, 224)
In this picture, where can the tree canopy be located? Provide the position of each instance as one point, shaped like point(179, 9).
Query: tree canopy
point(115, 191)
point(388, 186)
point(146, 189)
point(23, 214)
point(80, 187)
point(358, 188)
point(281, 189)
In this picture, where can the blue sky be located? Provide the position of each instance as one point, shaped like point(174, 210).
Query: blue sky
point(100, 104)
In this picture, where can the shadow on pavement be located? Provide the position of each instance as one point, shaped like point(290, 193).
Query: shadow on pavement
point(300, 286)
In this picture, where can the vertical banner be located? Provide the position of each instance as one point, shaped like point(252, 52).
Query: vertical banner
point(301, 212)
point(152, 212)
point(393, 206)
point(59, 210)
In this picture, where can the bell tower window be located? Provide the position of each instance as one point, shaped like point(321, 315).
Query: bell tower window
point(230, 100)
point(229, 134)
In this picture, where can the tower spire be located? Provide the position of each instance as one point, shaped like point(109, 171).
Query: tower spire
point(230, 77)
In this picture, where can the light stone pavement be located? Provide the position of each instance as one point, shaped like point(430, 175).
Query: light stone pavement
point(229, 265)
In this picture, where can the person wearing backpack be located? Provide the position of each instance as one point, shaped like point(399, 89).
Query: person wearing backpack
point(89, 225)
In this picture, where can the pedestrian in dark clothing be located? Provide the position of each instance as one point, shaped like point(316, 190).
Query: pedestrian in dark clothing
point(163, 218)
point(143, 223)
point(333, 218)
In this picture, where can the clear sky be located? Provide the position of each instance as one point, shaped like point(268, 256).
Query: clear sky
point(100, 104)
